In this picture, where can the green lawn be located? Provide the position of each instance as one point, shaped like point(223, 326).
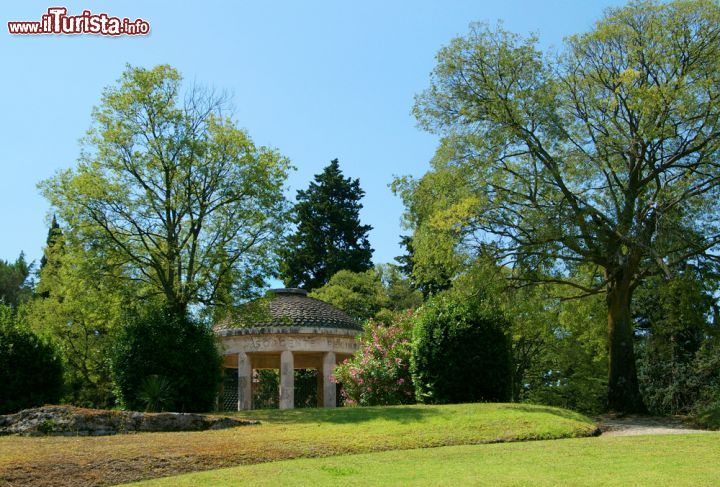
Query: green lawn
point(394, 427)
point(670, 460)
point(282, 435)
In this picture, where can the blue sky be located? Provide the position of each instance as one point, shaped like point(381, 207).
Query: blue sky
point(316, 80)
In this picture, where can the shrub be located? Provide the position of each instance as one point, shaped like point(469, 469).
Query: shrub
point(706, 411)
point(690, 387)
point(379, 372)
point(678, 352)
point(31, 369)
point(460, 352)
point(159, 344)
point(156, 393)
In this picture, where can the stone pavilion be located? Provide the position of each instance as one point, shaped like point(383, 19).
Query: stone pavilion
point(289, 331)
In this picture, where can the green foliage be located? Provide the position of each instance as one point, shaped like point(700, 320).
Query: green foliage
point(15, 286)
point(266, 392)
point(706, 414)
point(78, 306)
point(157, 342)
point(173, 193)
point(47, 427)
point(678, 358)
point(359, 294)
point(376, 293)
point(461, 352)
point(680, 387)
point(156, 393)
point(379, 372)
point(706, 367)
point(558, 347)
point(572, 370)
point(54, 238)
point(31, 369)
point(329, 237)
point(600, 157)
point(306, 388)
point(428, 283)
point(399, 290)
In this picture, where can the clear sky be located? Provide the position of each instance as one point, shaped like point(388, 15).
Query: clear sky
point(316, 80)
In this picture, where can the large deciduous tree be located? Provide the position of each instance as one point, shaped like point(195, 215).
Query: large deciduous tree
point(604, 156)
point(329, 237)
point(173, 191)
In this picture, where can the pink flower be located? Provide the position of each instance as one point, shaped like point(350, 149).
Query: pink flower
point(401, 381)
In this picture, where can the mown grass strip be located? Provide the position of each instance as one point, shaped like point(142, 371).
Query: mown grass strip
point(676, 460)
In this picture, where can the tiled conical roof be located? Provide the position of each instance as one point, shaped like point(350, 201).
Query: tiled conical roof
point(293, 308)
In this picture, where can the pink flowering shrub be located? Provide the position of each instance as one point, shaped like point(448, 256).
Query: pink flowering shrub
point(379, 372)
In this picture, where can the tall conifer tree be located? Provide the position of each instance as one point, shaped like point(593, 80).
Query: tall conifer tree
point(329, 237)
point(54, 237)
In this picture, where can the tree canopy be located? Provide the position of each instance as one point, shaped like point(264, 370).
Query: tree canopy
point(79, 299)
point(602, 158)
point(15, 282)
point(31, 369)
point(171, 191)
point(377, 293)
point(329, 237)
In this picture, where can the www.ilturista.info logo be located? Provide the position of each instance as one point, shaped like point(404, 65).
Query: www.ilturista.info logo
point(57, 21)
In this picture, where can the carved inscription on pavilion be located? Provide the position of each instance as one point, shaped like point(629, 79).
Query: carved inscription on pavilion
point(297, 343)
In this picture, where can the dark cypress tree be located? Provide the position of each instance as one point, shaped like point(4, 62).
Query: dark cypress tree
point(329, 237)
point(54, 234)
point(51, 257)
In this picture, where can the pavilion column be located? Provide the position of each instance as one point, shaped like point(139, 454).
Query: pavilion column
point(328, 366)
point(287, 380)
point(244, 382)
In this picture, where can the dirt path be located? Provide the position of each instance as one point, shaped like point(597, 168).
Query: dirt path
point(632, 426)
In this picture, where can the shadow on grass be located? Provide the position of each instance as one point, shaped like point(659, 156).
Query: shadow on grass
point(347, 415)
point(563, 413)
point(397, 414)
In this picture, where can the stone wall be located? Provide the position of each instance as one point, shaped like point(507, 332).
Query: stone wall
point(72, 421)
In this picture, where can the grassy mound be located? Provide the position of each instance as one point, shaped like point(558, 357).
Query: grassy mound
point(282, 435)
point(640, 460)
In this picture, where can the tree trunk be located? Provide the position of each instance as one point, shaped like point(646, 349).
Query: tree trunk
point(176, 306)
point(623, 388)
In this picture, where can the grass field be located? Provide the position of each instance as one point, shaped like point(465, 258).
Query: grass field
point(673, 460)
point(282, 435)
